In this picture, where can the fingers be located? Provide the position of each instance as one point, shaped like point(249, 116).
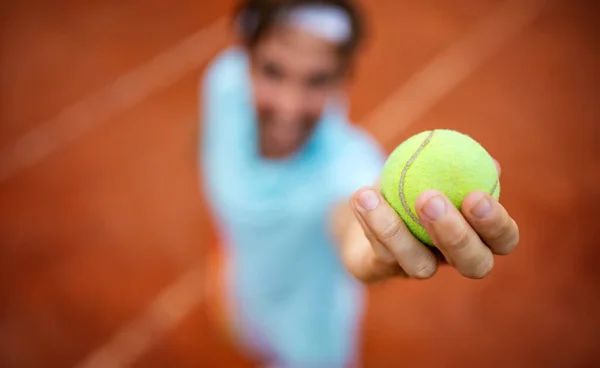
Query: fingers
point(382, 253)
point(491, 221)
point(373, 262)
point(453, 235)
point(386, 229)
point(466, 239)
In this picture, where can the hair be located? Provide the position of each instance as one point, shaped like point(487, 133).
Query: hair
point(254, 18)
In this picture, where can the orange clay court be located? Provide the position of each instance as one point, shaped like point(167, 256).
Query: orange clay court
point(105, 241)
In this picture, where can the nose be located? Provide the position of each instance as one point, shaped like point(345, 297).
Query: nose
point(288, 104)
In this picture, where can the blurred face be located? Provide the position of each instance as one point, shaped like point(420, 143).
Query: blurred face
point(293, 73)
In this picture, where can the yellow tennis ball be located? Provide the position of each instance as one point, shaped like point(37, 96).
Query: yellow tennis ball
point(445, 160)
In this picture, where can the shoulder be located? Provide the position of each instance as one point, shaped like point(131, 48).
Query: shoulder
point(347, 141)
point(356, 159)
point(224, 104)
point(226, 72)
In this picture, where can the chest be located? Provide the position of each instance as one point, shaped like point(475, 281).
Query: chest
point(253, 195)
point(265, 198)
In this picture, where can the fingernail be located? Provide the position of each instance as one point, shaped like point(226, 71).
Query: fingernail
point(482, 208)
point(368, 200)
point(435, 208)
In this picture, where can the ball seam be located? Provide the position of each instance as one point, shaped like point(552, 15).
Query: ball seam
point(403, 177)
point(495, 186)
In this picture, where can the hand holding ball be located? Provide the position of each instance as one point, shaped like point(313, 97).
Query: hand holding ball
point(444, 160)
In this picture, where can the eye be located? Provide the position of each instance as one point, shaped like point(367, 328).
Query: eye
point(272, 71)
point(319, 80)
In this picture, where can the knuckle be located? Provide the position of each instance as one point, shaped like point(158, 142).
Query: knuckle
point(390, 230)
point(505, 236)
point(460, 240)
point(513, 240)
point(425, 269)
point(483, 268)
point(498, 230)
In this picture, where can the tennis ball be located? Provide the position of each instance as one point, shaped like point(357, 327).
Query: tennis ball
point(445, 160)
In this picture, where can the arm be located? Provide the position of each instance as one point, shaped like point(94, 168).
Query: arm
point(219, 90)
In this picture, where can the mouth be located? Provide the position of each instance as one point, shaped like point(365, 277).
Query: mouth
point(283, 136)
point(285, 133)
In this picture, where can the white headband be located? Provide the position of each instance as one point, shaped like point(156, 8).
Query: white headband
point(324, 21)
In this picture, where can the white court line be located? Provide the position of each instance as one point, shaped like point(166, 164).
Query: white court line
point(128, 90)
point(406, 105)
point(450, 68)
point(165, 312)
